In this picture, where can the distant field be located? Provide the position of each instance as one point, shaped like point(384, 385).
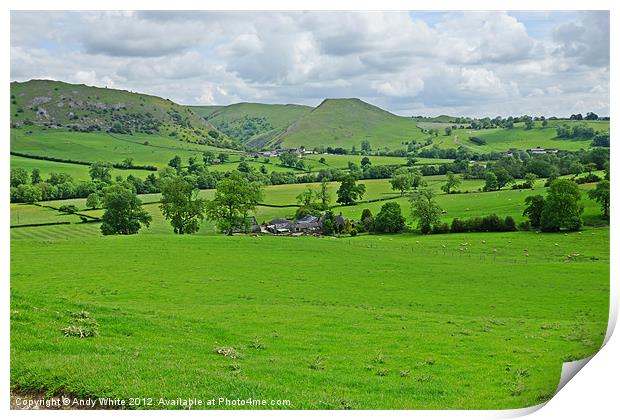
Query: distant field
point(474, 203)
point(25, 214)
point(428, 125)
point(342, 161)
point(78, 172)
point(145, 150)
point(501, 139)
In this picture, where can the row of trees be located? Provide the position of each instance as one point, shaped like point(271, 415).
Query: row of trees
point(29, 187)
point(181, 205)
point(560, 209)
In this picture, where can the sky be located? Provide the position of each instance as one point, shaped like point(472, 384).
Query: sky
point(470, 63)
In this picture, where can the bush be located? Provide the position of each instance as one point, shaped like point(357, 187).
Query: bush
point(509, 224)
point(457, 226)
point(589, 178)
point(490, 223)
point(523, 186)
point(68, 208)
point(354, 232)
point(441, 228)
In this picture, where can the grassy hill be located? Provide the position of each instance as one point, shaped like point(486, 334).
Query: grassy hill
point(346, 123)
point(501, 139)
point(251, 123)
point(82, 108)
point(205, 110)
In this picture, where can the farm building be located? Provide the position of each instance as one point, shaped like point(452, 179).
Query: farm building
point(308, 224)
point(541, 151)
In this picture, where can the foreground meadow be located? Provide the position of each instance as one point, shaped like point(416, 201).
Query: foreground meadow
point(407, 321)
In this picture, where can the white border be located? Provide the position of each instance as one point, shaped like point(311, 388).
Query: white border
point(592, 394)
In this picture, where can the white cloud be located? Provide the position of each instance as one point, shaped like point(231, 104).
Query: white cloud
point(474, 63)
point(483, 81)
point(586, 40)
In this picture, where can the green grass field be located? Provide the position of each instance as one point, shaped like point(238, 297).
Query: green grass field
point(342, 161)
point(500, 139)
point(407, 321)
point(78, 172)
point(90, 147)
point(401, 318)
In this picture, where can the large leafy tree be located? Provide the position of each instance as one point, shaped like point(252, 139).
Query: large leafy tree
point(124, 214)
point(601, 194)
point(349, 191)
point(306, 197)
point(35, 176)
point(562, 209)
point(389, 219)
point(534, 208)
point(19, 176)
point(235, 197)
point(452, 182)
point(425, 210)
point(101, 172)
point(503, 178)
point(490, 182)
point(176, 163)
point(401, 181)
point(181, 205)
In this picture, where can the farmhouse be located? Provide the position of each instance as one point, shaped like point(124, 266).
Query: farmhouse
point(277, 152)
point(541, 151)
point(279, 226)
point(307, 224)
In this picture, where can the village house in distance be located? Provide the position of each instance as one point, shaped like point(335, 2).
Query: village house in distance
point(307, 225)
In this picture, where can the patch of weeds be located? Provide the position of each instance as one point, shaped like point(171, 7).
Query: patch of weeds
point(405, 373)
point(544, 397)
point(424, 377)
point(229, 352)
point(382, 372)
point(571, 358)
point(82, 325)
point(234, 367)
point(318, 363)
point(429, 362)
point(379, 358)
point(336, 403)
point(517, 386)
point(553, 326)
point(257, 344)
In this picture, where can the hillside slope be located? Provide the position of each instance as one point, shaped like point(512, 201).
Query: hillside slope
point(346, 123)
point(254, 124)
point(53, 104)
